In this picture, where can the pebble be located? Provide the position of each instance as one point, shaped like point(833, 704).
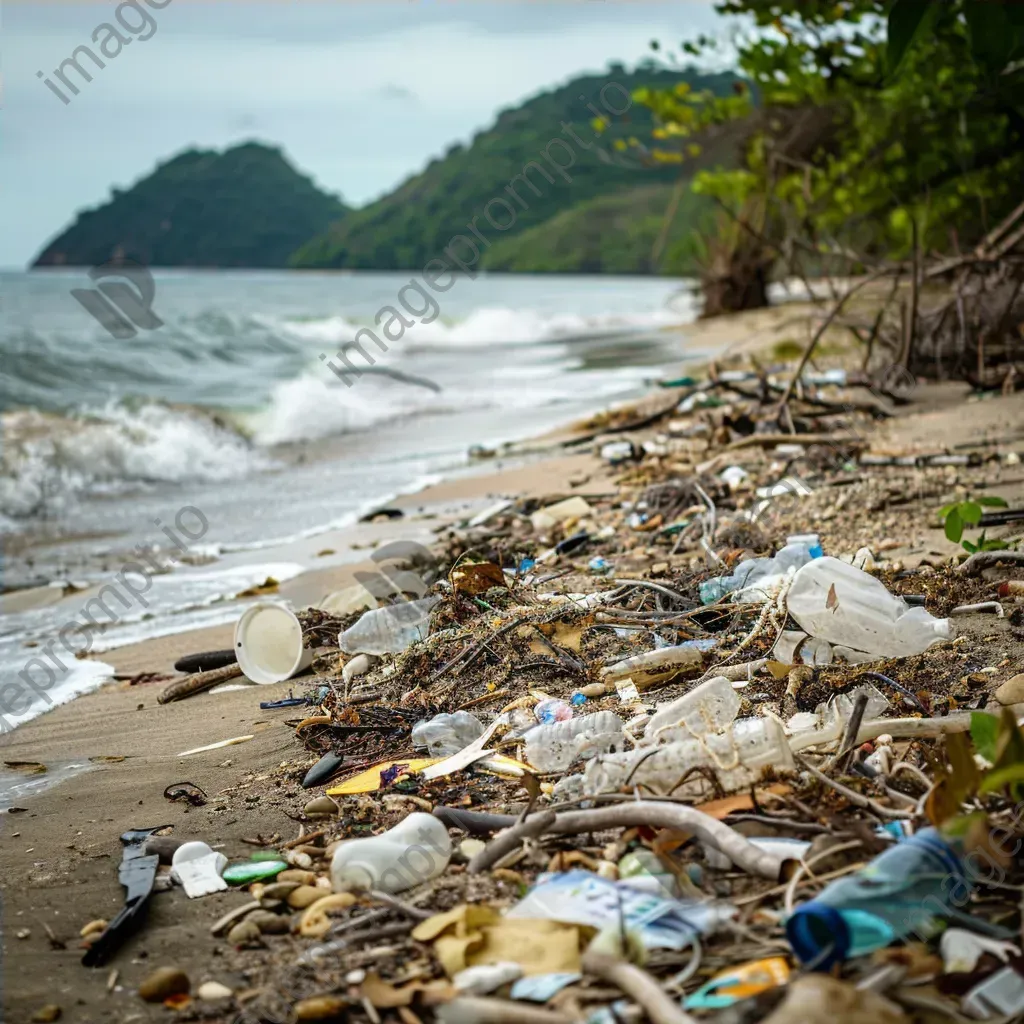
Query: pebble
point(164, 982)
point(278, 891)
point(297, 876)
point(222, 924)
point(321, 1008)
point(93, 926)
point(46, 1014)
point(211, 991)
point(322, 770)
point(1012, 691)
point(358, 666)
point(322, 806)
point(268, 922)
point(245, 933)
point(22, 933)
point(469, 848)
point(303, 896)
point(299, 860)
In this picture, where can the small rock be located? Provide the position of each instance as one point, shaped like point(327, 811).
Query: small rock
point(211, 991)
point(46, 1014)
point(222, 924)
point(297, 876)
point(93, 927)
point(322, 806)
point(278, 891)
point(245, 933)
point(304, 896)
point(1012, 691)
point(268, 922)
point(469, 848)
point(299, 860)
point(322, 770)
point(321, 1008)
point(22, 933)
point(164, 982)
point(661, 569)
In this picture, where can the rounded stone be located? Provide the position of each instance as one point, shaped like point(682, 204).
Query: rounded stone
point(245, 933)
point(163, 983)
point(298, 876)
point(47, 1014)
point(321, 806)
point(269, 923)
point(304, 896)
point(1012, 691)
point(211, 991)
point(321, 1008)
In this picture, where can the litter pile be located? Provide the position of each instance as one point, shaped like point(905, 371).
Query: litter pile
point(661, 753)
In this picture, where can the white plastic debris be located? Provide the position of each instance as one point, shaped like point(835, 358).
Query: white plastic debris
point(197, 868)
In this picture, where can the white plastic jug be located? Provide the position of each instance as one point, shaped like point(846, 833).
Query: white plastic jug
point(861, 614)
point(414, 851)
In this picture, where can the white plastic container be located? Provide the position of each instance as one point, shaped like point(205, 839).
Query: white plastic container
point(416, 850)
point(861, 614)
point(268, 643)
point(552, 748)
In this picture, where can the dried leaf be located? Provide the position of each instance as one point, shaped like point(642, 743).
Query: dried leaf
point(832, 602)
point(476, 577)
point(777, 669)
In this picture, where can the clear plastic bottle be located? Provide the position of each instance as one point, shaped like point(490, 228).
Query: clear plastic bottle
point(552, 748)
point(903, 891)
point(737, 756)
point(414, 851)
point(389, 630)
point(843, 605)
point(444, 735)
point(798, 551)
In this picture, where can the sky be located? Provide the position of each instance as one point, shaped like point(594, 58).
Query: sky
point(359, 94)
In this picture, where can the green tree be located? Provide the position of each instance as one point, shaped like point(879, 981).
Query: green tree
point(871, 123)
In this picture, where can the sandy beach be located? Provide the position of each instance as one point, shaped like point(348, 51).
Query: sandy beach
point(122, 749)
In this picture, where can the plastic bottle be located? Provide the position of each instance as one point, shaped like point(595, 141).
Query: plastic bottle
point(389, 630)
point(414, 851)
point(901, 892)
point(736, 755)
point(444, 735)
point(859, 612)
point(753, 578)
point(552, 710)
point(552, 748)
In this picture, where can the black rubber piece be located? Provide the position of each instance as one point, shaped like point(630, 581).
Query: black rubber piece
point(205, 661)
point(322, 770)
point(474, 822)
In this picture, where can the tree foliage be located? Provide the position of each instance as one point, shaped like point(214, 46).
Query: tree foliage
point(871, 120)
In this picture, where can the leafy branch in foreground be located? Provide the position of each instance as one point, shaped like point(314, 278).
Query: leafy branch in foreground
point(959, 514)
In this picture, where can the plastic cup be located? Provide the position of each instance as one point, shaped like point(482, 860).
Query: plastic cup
point(268, 642)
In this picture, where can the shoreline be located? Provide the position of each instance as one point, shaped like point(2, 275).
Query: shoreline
point(61, 851)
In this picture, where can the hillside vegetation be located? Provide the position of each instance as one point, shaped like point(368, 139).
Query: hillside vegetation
point(414, 223)
point(245, 207)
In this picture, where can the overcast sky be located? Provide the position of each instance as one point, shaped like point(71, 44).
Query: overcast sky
point(359, 94)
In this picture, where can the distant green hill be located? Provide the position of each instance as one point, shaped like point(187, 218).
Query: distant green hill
point(552, 214)
point(245, 207)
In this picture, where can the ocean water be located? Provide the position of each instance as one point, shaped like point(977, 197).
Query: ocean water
point(230, 408)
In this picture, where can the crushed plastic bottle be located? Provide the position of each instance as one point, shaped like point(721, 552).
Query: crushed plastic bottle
point(700, 730)
point(845, 606)
point(754, 579)
point(389, 630)
point(552, 710)
point(552, 748)
point(904, 891)
point(445, 735)
point(414, 851)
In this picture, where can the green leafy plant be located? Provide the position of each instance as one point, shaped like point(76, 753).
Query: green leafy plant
point(968, 512)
